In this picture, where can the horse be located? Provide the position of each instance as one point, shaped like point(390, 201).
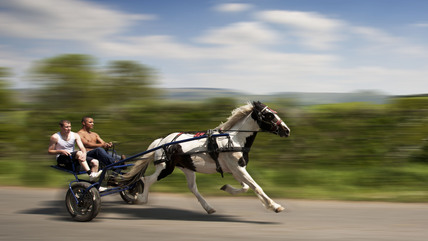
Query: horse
point(224, 154)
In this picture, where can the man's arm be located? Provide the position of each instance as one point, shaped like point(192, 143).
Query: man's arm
point(80, 144)
point(52, 146)
point(104, 144)
point(98, 142)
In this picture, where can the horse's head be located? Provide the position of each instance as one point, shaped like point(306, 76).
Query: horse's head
point(268, 120)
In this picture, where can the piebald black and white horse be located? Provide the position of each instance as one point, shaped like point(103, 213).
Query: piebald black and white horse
point(228, 154)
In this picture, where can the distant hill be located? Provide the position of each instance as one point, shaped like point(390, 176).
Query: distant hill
point(300, 97)
point(198, 93)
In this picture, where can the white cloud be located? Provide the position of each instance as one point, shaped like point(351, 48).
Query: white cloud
point(378, 41)
point(17, 64)
point(393, 81)
point(374, 35)
point(9, 59)
point(420, 25)
point(156, 46)
point(315, 30)
point(62, 19)
point(233, 7)
point(240, 33)
point(301, 20)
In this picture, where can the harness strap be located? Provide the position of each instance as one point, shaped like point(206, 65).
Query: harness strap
point(224, 149)
point(218, 150)
point(214, 151)
point(234, 149)
point(159, 161)
point(212, 147)
point(166, 151)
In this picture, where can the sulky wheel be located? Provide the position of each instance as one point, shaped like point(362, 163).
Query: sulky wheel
point(131, 195)
point(85, 204)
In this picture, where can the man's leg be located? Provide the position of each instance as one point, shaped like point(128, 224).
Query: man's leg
point(101, 154)
point(82, 161)
point(92, 170)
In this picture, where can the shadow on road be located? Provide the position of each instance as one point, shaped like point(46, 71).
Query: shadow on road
point(113, 210)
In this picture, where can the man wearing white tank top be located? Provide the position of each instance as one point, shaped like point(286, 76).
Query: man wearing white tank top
point(62, 145)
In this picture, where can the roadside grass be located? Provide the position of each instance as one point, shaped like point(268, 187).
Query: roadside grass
point(392, 183)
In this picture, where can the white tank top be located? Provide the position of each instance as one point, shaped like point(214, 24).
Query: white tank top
point(64, 144)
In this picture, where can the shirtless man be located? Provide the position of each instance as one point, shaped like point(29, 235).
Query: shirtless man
point(62, 145)
point(97, 147)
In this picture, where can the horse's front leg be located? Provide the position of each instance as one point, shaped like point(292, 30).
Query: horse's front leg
point(191, 183)
point(241, 175)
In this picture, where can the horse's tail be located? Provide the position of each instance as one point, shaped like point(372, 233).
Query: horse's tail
point(140, 167)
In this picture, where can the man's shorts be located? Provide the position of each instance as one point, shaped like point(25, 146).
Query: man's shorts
point(67, 162)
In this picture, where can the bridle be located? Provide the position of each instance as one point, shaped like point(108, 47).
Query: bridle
point(267, 119)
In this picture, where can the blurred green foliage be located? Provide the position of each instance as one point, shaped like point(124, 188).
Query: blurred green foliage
point(5, 95)
point(354, 151)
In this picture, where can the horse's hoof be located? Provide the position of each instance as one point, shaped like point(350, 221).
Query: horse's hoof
point(211, 211)
point(280, 209)
point(223, 187)
point(141, 200)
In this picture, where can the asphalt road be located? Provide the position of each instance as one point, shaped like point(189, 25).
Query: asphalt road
point(39, 214)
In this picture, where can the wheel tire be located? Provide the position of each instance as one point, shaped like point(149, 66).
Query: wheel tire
point(88, 205)
point(130, 196)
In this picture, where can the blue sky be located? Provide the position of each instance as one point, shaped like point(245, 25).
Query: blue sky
point(254, 46)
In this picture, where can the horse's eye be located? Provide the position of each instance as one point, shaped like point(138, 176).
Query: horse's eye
point(269, 116)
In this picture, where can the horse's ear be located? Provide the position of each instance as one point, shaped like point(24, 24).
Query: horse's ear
point(256, 103)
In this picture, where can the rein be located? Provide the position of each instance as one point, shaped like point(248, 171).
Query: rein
point(231, 130)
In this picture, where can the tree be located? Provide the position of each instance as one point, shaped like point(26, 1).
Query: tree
point(5, 94)
point(68, 82)
point(129, 80)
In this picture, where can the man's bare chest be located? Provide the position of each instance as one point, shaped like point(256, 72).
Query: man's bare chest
point(91, 138)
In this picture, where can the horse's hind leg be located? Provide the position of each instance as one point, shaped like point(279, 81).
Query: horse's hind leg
point(191, 183)
point(150, 180)
point(228, 188)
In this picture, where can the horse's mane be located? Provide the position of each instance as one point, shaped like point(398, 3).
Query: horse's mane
point(237, 115)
